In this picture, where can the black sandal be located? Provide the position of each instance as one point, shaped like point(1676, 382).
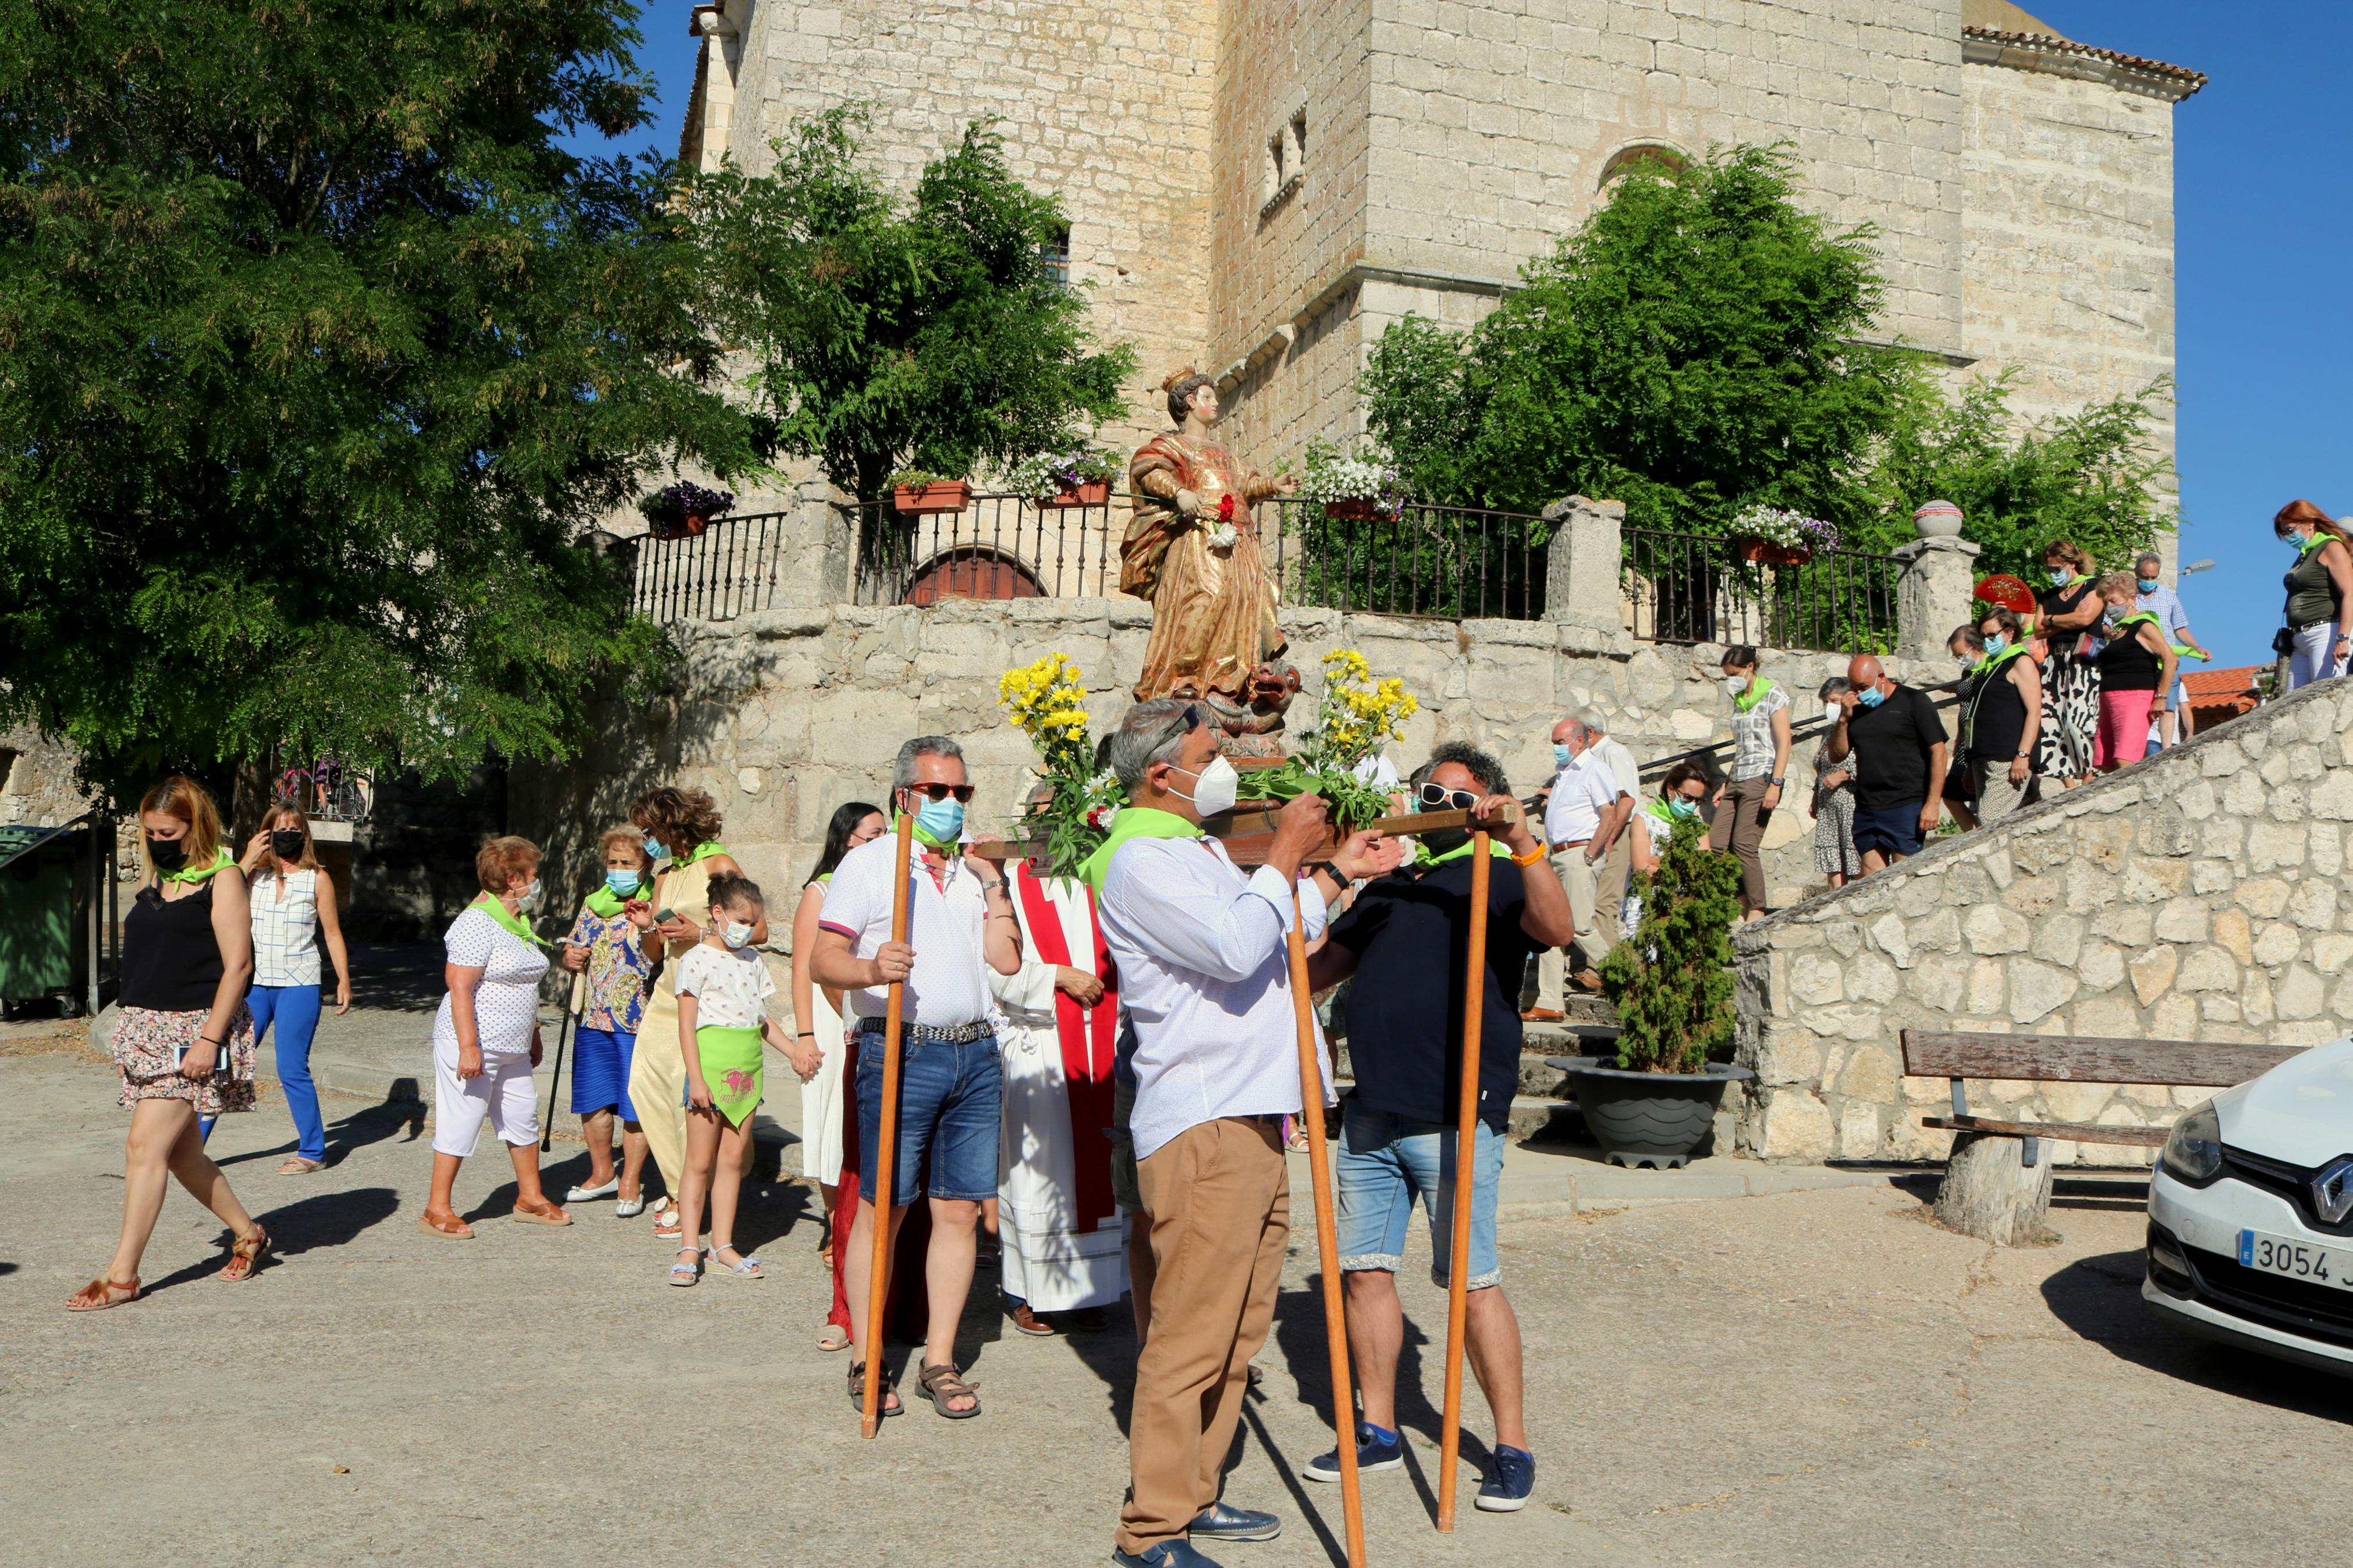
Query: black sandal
point(943, 1381)
point(890, 1386)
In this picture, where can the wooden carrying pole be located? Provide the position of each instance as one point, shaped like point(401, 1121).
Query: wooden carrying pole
point(1466, 1165)
point(878, 1287)
point(1327, 1238)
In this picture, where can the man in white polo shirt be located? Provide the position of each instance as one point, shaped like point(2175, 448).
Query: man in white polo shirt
point(951, 1083)
point(1587, 811)
point(1204, 973)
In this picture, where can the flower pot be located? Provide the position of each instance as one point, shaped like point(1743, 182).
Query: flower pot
point(1765, 553)
point(941, 495)
point(665, 527)
point(695, 524)
point(1089, 492)
point(1653, 1118)
point(1357, 509)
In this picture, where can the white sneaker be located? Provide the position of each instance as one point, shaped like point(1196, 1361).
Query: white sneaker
point(602, 1190)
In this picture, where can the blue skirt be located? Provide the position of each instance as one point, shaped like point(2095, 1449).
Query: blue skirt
point(600, 1073)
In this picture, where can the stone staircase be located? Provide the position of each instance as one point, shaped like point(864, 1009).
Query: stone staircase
point(1543, 1111)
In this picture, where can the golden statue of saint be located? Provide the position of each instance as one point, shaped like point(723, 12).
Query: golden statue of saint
point(1192, 549)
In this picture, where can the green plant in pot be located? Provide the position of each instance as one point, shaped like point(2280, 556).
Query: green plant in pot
point(1672, 985)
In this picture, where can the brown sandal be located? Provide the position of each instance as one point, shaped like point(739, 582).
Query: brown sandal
point(296, 1165)
point(943, 1380)
point(547, 1214)
point(99, 1294)
point(881, 1400)
point(249, 1251)
point(456, 1230)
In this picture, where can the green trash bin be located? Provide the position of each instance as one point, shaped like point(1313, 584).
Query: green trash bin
point(43, 942)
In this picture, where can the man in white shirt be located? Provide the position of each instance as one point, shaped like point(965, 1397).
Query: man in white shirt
point(1202, 958)
point(950, 1082)
point(1609, 887)
point(1587, 814)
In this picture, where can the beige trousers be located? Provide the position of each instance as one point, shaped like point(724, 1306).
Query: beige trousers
point(1218, 1201)
point(1582, 883)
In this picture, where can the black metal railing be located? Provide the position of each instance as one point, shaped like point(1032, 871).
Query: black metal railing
point(729, 569)
point(1697, 588)
point(996, 547)
point(1450, 563)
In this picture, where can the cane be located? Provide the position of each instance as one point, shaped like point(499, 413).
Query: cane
point(1466, 1147)
point(1327, 1240)
point(886, 1145)
point(563, 1030)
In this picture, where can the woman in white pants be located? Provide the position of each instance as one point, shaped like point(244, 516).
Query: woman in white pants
point(2320, 609)
point(486, 1038)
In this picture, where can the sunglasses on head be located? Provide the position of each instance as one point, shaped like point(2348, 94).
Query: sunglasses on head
point(963, 792)
point(1437, 797)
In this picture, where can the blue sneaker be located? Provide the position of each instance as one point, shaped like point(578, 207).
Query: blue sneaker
point(1375, 1451)
point(1510, 1481)
point(1223, 1522)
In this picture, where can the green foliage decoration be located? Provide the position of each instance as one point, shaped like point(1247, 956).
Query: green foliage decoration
point(1672, 982)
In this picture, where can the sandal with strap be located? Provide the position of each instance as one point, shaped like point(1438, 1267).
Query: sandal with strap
point(99, 1294)
point(745, 1265)
point(249, 1251)
point(301, 1165)
point(940, 1382)
point(889, 1391)
point(690, 1268)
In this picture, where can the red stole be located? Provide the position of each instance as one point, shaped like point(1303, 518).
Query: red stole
point(1090, 1038)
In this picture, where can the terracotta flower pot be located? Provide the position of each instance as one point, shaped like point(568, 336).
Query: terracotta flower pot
point(695, 523)
point(940, 495)
point(1089, 492)
point(1359, 509)
point(1765, 553)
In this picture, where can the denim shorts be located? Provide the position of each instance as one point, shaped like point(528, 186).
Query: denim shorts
point(949, 1100)
point(1387, 1162)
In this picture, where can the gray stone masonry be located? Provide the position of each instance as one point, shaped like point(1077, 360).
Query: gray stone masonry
point(2200, 895)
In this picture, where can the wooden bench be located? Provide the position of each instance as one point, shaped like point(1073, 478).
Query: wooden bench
point(1997, 1185)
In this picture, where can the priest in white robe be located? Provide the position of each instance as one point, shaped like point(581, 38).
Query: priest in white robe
point(1065, 1239)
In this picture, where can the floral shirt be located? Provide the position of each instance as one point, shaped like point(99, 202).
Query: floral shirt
point(617, 973)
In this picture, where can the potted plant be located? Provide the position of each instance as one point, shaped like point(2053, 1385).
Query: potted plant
point(683, 509)
point(1774, 536)
point(918, 490)
point(1672, 985)
point(1079, 475)
point(1364, 486)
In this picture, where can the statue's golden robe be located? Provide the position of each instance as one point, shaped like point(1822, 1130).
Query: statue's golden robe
point(1212, 609)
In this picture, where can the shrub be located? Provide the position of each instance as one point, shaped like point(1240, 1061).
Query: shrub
point(1671, 985)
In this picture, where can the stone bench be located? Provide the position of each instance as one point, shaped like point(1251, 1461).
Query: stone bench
point(1997, 1186)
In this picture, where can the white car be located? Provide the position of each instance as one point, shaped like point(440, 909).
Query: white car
point(2250, 1215)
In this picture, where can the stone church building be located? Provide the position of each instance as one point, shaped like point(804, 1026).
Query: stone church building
point(1257, 187)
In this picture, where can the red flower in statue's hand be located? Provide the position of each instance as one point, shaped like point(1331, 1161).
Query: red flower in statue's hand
point(1226, 507)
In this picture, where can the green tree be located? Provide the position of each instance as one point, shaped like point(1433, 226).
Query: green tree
point(1672, 982)
point(1694, 347)
point(317, 357)
point(888, 334)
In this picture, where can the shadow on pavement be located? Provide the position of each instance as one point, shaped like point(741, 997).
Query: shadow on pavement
point(308, 1224)
point(398, 977)
point(350, 1134)
point(2099, 1298)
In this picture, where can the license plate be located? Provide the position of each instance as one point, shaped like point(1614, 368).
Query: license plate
point(2295, 1259)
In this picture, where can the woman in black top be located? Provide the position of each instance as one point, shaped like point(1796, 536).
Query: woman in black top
point(2070, 681)
point(2319, 608)
point(2136, 664)
point(2002, 714)
point(182, 1038)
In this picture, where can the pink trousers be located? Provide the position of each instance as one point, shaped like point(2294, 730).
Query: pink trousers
point(2124, 727)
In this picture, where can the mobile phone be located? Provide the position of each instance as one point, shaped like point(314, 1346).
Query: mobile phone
point(180, 1056)
point(663, 917)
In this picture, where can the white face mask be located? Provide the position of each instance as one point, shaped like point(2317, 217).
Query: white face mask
point(735, 934)
point(1734, 685)
point(530, 900)
point(1214, 787)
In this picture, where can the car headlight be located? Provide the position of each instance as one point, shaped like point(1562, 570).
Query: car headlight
point(2194, 1150)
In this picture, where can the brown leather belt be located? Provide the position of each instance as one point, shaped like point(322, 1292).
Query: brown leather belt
point(1569, 844)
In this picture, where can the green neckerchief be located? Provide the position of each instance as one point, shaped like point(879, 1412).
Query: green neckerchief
point(605, 904)
point(507, 921)
point(222, 860)
point(1424, 860)
point(2137, 618)
point(1132, 822)
point(1757, 687)
point(702, 852)
point(924, 836)
point(2313, 543)
point(823, 878)
point(2183, 651)
point(1988, 665)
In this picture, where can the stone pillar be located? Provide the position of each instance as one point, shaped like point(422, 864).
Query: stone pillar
point(1938, 583)
point(1582, 568)
point(813, 564)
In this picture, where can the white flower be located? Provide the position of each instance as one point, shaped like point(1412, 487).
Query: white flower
point(1223, 536)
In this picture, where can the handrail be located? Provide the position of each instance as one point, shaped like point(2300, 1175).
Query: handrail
point(32, 844)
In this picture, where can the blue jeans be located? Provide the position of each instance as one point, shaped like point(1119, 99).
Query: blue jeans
point(950, 1097)
point(295, 1011)
point(1389, 1161)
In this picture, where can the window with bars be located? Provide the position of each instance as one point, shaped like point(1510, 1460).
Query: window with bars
point(1055, 256)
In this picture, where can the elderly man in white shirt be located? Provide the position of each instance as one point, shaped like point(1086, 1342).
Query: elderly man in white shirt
point(1201, 952)
point(1583, 820)
point(1609, 887)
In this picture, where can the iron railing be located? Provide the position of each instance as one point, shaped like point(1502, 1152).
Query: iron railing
point(1452, 563)
point(729, 569)
point(998, 547)
point(1697, 588)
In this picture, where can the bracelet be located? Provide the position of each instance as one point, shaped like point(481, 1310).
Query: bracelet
point(1531, 857)
point(990, 887)
point(806, 1034)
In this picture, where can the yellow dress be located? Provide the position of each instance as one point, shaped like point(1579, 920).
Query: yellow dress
point(657, 1067)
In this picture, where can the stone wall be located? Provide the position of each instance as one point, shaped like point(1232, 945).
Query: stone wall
point(2201, 895)
point(37, 781)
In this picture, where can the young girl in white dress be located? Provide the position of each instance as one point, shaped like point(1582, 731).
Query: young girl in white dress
point(723, 1022)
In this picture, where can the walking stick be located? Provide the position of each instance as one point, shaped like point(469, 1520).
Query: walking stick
point(1327, 1240)
point(1466, 1149)
point(556, 1081)
point(886, 1146)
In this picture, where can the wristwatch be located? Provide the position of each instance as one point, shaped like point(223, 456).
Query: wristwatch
point(1775, 782)
point(992, 885)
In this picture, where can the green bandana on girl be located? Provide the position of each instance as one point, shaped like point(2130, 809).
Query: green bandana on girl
point(508, 920)
point(222, 860)
point(1131, 822)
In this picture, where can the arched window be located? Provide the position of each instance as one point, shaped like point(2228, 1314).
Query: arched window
point(972, 571)
point(1652, 157)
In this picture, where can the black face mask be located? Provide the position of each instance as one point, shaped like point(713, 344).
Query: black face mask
point(286, 845)
point(1446, 840)
point(169, 854)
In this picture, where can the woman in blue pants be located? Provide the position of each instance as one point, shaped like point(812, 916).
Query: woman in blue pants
point(293, 902)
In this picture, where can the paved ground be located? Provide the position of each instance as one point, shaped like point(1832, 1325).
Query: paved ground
point(1808, 1377)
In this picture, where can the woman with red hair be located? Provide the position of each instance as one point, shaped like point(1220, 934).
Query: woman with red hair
point(2320, 609)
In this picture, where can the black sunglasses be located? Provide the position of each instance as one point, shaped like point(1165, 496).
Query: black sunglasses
point(1437, 797)
point(941, 791)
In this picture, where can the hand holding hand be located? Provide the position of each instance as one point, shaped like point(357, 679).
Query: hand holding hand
point(1077, 985)
point(894, 962)
point(806, 1055)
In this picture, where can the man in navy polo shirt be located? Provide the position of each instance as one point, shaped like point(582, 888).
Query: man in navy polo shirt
point(1406, 943)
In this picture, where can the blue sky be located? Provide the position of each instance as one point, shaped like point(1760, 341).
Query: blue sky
point(2263, 212)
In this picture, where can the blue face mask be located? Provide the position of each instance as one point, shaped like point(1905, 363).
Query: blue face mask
point(943, 819)
point(2145, 584)
point(654, 850)
point(2060, 576)
point(1871, 697)
point(1679, 806)
point(1995, 645)
point(623, 883)
point(1562, 756)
